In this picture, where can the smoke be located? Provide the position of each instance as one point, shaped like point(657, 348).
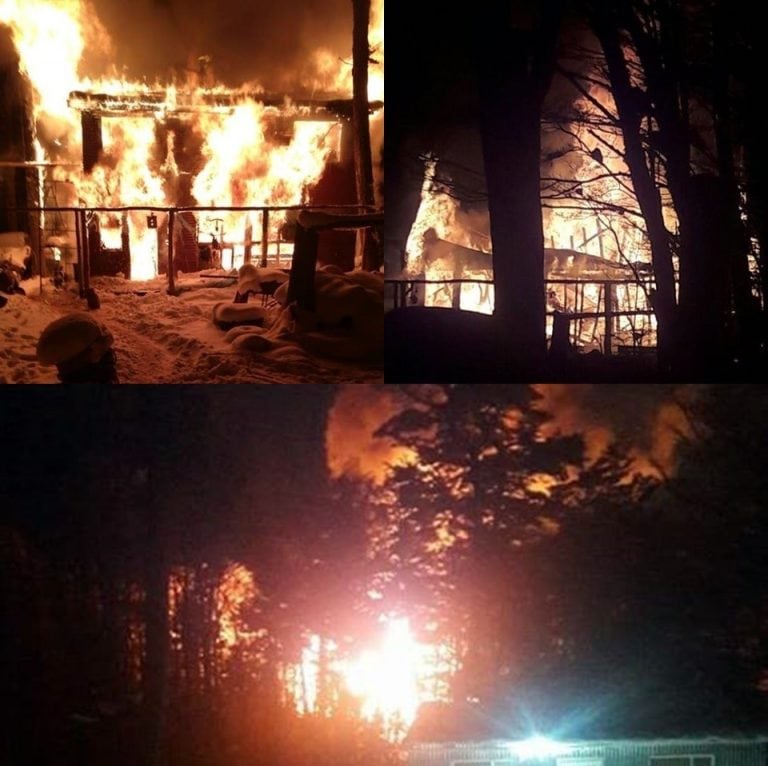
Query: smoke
point(352, 449)
point(248, 41)
point(9, 58)
point(648, 420)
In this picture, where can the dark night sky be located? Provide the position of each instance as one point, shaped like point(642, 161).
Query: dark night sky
point(263, 443)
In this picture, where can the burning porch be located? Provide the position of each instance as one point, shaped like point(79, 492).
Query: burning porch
point(146, 153)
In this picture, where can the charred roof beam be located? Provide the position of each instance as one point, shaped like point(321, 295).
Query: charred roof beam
point(161, 102)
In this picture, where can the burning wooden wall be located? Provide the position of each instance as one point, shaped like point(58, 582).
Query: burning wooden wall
point(16, 148)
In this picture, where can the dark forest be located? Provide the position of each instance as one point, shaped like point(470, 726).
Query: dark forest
point(622, 140)
point(311, 575)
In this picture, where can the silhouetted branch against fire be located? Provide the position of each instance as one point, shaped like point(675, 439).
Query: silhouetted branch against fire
point(647, 420)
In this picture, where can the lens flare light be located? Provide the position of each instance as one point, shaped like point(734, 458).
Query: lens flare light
point(537, 748)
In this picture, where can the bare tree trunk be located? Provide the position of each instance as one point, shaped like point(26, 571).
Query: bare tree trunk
point(510, 133)
point(191, 626)
point(747, 34)
point(736, 241)
point(755, 147)
point(155, 674)
point(365, 255)
point(756, 159)
point(514, 57)
point(702, 330)
point(648, 198)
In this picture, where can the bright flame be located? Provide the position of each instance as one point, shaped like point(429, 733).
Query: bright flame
point(395, 678)
point(386, 679)
point(592, 210)
point(243, 167)
point(334, 74)
point(440, 213)
point(376, 43)
point(248, 157)
point(235, 593)
point(303, 678)
point(582, 246)
point(351, 444)
point(390, 680)
point(50, 38)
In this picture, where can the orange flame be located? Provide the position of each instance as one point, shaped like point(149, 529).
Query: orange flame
point(351, 445)
point(243, 164)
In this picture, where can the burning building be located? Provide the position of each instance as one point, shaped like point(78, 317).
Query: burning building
point(596, 265)
point(97, 167)
point(597, 257)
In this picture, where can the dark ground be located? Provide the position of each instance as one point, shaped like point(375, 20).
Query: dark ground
point(436, 345)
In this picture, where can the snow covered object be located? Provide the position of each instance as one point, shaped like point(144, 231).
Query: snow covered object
point(348, 317)
point(254, 280)
point(81, 349)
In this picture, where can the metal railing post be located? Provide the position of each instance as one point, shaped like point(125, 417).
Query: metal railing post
point(248, 241)
point(85, 268)
point(79, 245)
point(264, 237)
point(171, 266)
point(608, 341)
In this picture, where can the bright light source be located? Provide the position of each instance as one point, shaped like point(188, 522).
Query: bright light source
point(537, 748)
point(388, 678)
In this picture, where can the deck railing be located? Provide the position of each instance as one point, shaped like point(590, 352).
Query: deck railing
point(82, 216)
point(605, 312)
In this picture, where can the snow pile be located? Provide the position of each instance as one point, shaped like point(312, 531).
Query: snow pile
point(165, 339)
point(14, 248)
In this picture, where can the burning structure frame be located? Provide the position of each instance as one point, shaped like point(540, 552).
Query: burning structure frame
point(80, 243)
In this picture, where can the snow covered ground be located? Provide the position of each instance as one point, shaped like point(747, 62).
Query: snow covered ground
point(161, 338)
